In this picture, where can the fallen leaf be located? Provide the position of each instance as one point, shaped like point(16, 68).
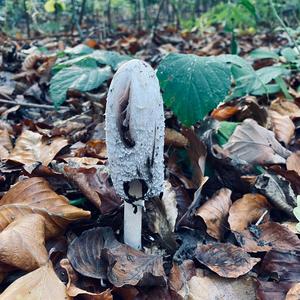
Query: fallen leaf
point(181, 274)
point(41, 284)
point(125, 265)
point(293, 293)
point(285, 108)
point(34, 195)
point(223, 113)
point(293, 162)
point(248, 210)
point(94, 183)
point(215, 211)
point(278, 191)
point(267, 236)
point(22, 243)
point(73, 290)
point(5, 144)
point(175, 138)
point(226, 260)
point(255, 144)
point(283, 127)
point(31, 148)
point(272, 290)
point(210, 286)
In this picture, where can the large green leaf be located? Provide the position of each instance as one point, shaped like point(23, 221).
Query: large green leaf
point(83, 77)
point(192, 86)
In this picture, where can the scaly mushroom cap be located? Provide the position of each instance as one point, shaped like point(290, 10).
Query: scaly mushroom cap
point(135, 130)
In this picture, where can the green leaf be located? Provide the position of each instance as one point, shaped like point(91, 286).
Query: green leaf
point(249, 6)
point(296, 212)
point(192, 86)
point(263, 54)
point(224, 131)
point(289, 54)
point(83, 78)
point(267, 74)
point(111, 58)
point(279, 80)
point(80, 49)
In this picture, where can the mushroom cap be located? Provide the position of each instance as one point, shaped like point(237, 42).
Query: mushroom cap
point(135, 129)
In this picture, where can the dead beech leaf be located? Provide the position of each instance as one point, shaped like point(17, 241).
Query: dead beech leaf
point(223, 113)
point(31, 148)
point(248, 210)
point(293, 162)
point(285, 108)
point(41, 284)
point(181, 274)
point(255, 144)
point(22, 243)
point(73, 290)
point(267, 236)
point(283, 127)
point(226, 260)
point(125, 265)
point(175, 138)
point(95, 185)
point(293, 293)
point(215, 211)
point(210, 286)
point(5, 144)
point(34, 195)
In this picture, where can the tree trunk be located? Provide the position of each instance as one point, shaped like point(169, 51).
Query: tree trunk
point(27, 18)
point(82, 10)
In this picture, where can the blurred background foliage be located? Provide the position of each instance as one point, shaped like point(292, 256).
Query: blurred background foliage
point(43, 17)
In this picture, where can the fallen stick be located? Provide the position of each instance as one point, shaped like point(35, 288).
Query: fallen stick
point(32, 105)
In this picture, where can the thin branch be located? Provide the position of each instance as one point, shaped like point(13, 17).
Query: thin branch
point(32, 105)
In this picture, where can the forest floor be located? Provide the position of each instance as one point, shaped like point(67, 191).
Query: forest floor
point(225, 227)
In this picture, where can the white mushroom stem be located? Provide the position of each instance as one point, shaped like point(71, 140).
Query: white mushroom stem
point(133, 225)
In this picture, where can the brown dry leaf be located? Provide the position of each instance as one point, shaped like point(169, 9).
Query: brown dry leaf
point(125, 265)
point(175, 138)
point(283, 127)
point(181, 274)
point(41, 284)
point(226, 260)
point(255, 144)
point(215, 211)
point(73, 290)
point(31, 148)
point(285, 108)
point(34, 195)
point(223, 113)
point(293, 162)
point(268, 236)
point(209, 287)
point(5, 144)
point(293, 293)
point(95, 185)
point(248, 210)
point(22, 243)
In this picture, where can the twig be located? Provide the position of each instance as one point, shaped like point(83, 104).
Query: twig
point(32, 105)
point(261, 218)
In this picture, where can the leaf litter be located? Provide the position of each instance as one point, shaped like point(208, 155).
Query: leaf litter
point(220, 229)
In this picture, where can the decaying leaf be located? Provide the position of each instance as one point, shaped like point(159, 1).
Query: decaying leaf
point(41, 284)
point(267, 236)
point(293, 162)
point(31, 148)
point(22, 243)
point(283, 127)
point(248, 210)
point(226, 260)
point(5, 144)
point(125, 265)
point(210, 286)
point(72, 286)
point(255, 144)
point(34, 195)
point(215, 211)
point(293, 293)
point(285, 108)
point(278, 191)
point(175, 138)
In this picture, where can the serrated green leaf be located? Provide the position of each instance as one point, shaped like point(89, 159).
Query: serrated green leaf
point(192, 86)
point(82, 78)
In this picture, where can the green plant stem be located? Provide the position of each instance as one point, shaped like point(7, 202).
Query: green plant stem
point(283, 25)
